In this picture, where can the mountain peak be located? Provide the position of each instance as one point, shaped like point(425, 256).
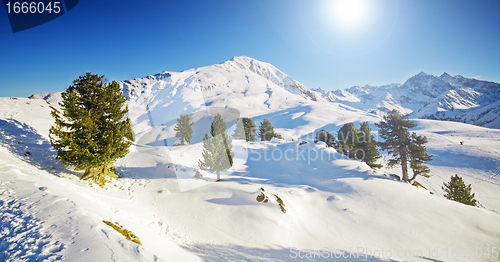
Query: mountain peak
point(273, 74)
point(422, 74)
point(447, 78)
point(426, 84)
point(241, 59)
point(319, 89)
point(249, 63)
point(445, 75)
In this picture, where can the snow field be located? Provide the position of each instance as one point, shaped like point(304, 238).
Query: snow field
point(331, 203)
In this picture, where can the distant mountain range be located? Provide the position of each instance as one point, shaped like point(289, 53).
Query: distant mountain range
point(257, 88)
point(446, 97)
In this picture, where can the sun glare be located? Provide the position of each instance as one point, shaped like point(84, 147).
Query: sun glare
point(349, 13)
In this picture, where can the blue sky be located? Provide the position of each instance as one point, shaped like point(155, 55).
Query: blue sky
point(392, 41)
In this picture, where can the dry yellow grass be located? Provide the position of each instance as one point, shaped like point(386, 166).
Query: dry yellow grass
point(126, 233)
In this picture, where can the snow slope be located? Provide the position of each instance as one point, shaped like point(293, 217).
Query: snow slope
point(46, 212)
point(477, 160)
point(334, 206)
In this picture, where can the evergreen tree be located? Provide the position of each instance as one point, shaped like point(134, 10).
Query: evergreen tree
point(418, 156)
point(217, 154)
point(404, 147)
point(347, 137)
point(245, 129)
point(239, 131)
point(367, 146)
point(250, 129)
point(92, 132)
point(326, 137)
point(184, 129)
point(218, 126)
point(266, 131)
point(456, 190)
point(340, 148)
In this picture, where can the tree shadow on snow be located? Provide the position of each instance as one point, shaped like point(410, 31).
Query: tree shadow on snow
point(301, 166)
point(287, 118)
point(240, 253)
point(160, 171)
point(25, 143)
point(465, 160)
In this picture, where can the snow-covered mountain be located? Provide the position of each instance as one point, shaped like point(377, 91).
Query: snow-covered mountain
point(222, 75)
point(335, 207)
point(245, 83)
point(250, 82)
point(446, 97)
point(243, 86)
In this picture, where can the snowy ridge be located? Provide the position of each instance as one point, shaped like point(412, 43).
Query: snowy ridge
point(251, 82)
point(446, 97)
point(251, 87)
point(273, 74)
point(52, 98)
point(211, 80)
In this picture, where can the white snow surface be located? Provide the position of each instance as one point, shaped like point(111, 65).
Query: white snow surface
point(332, 203)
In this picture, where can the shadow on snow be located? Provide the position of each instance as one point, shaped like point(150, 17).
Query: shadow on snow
point(24, 142)
point(241, 253)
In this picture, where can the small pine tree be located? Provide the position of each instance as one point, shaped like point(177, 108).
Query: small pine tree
point(266, 131)
point(217, 154)
point(347, 138)
point(184, 129)
point(92, 132)
point(245, 129)
point(326, 137)
point(239, 131)
point(456, 190)
point(367, 146)
point(218, 126)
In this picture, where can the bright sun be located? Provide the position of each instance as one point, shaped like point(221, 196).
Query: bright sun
point(350, 13)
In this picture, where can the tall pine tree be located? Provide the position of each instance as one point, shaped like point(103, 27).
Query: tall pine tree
point(92, 131)
point(456, 190)
point(245, 129)
point(403, 146)
point(347, 138)
point(367, 146)
point(184, 129)
point(266, 131)
point(218, 152)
